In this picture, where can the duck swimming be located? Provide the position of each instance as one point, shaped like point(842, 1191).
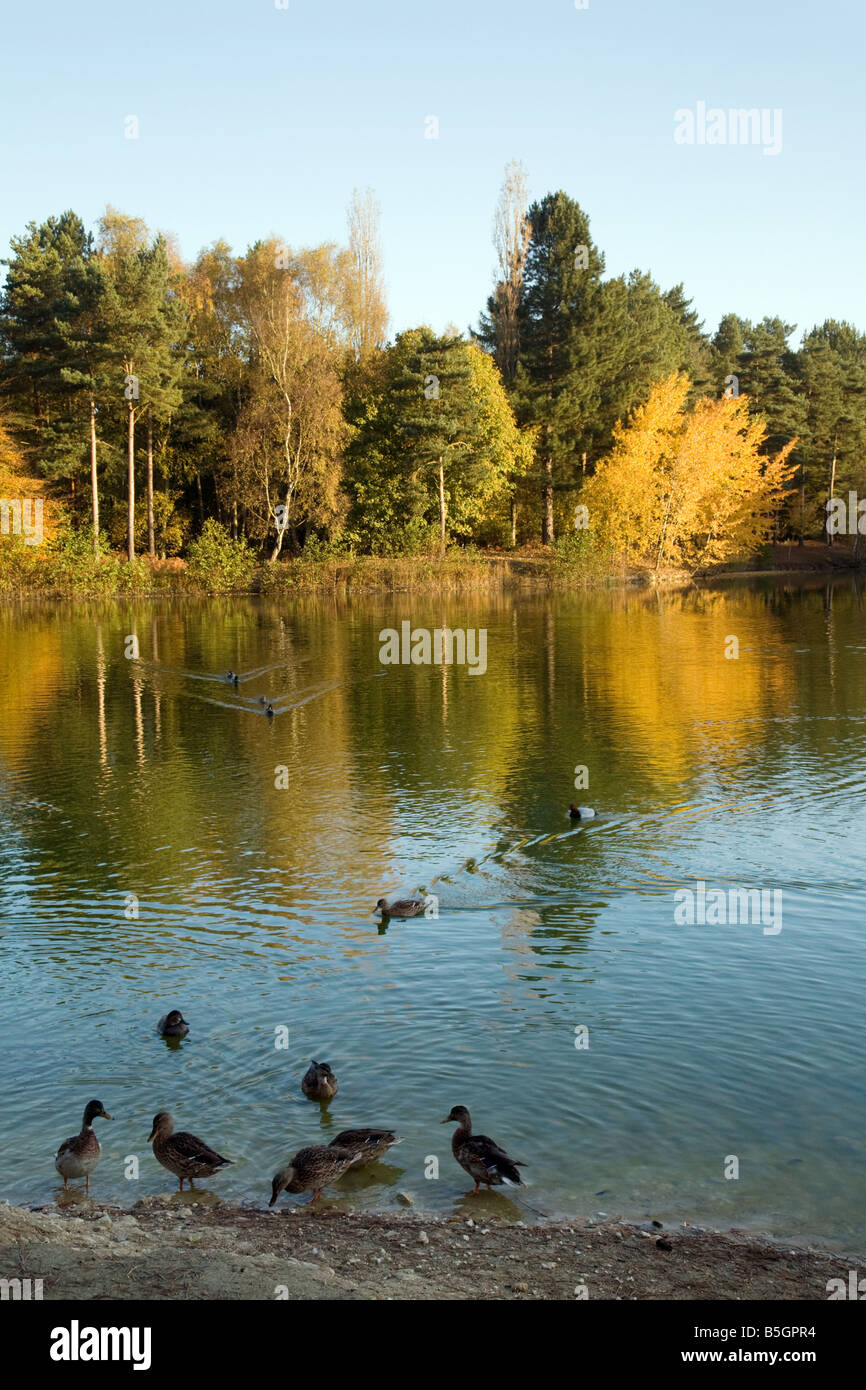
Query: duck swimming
point(319, 1082)
point(183, 1154)
point(316, 1167)
point(231, 676)
point(77, 1157)
point(580, 812)
point(403, 907)
point(482, 1159)
point(173, 1025)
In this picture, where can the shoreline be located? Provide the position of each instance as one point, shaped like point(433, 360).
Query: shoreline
point(166, 1248)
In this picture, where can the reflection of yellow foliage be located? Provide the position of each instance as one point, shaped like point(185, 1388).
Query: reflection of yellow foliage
point(688, 488)
point(658, 665)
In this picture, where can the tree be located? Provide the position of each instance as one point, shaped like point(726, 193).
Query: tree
point(832, 369)
point(146, 321)
point(557, 385)
point(367, 308)
point(292, 410)
point(500, 326)
point(688, 487)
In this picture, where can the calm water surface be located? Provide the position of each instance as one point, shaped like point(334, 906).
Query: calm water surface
point(151, 778)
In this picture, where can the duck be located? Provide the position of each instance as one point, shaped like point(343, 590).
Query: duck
point(370, 1144)
point(481, 1157)
point(78, 1156)
point(319, 1082)
point(269, 710)
point(173, 1024)
point(183, 1154)
point(580, 812)
point(403, 907)
point(316, 1167)
point(233, 677)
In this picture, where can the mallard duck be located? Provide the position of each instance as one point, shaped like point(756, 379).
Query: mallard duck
point(183, 1154)
point(77, 1157)
point(269, 710)
point(403, 907)
point(315, 1168)
point(233, 677)
point(370, 1144)
point(319, 1082)
point(483, 1159)
point(580, 812)
point(173, 1024)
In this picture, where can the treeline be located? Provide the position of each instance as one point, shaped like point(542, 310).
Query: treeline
point(259, 392)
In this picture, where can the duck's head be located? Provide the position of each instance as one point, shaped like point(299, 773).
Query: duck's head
point(174, 1018)
point(381, 906)
point(280, 1182)
point(324, 1071)
point(269, 710)
point(573, 811)
point(458, 1115)
point(163, 1123)
point(94, 1108)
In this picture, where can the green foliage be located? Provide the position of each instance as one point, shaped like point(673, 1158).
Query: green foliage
point(217, 563)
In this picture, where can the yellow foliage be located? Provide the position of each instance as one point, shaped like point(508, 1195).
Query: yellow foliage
point(688, 488)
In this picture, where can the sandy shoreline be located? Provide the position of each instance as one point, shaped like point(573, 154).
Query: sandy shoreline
point(164, 1250)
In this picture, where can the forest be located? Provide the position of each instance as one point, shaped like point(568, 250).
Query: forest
point(248, 408)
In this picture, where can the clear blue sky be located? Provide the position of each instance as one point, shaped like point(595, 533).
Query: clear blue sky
point(256, 120)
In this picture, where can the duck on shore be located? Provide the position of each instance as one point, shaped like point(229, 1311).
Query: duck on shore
point(370, 1144)
point(479, 1155)
point(183, 1154)
point(78, 1156)
point(319, 1082)
point(316, 1167)
point(173, 1024)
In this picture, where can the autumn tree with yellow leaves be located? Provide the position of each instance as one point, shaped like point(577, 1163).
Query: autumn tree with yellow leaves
point(687, 488)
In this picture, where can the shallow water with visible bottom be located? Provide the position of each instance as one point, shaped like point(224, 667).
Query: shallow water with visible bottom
point(163, 843)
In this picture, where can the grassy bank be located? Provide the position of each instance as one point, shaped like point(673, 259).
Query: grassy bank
point(66, 567)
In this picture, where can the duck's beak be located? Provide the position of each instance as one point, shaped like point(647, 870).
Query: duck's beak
point(151, 1136)
point(276, 1188)
point(446, 1121)
point(105, 1115)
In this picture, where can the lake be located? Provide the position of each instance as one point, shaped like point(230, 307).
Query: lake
point(164, 843)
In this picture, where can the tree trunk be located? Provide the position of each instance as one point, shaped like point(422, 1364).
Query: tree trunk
point(547, 502)
point(281, 531)
point(513, 522)
point(802, 503)
point(94, 488)
point(830, 537)
point(200, 500)
point(151, 541)
point(441, 505)
point(130, 515)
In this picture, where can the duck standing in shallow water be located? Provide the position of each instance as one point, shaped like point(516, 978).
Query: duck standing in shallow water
point(403, 907)
point(173, 1024)
point(369, 1144)
point(581, 812)
point(319, 1082)
point(315, 1168)
point(77, 1157)
point(183, 1154)
point(483, 1159)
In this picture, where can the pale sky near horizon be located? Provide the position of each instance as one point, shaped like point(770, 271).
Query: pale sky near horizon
point(256, 120)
